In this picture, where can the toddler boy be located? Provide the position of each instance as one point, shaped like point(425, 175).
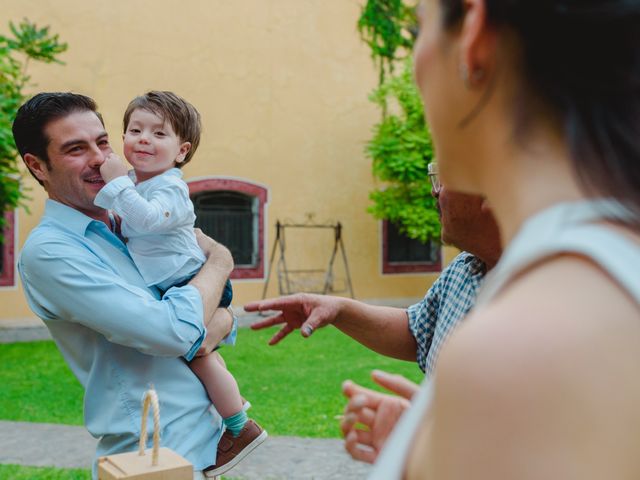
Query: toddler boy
point(161, 134)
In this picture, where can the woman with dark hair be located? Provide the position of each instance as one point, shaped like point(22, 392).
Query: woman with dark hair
point(536, 105)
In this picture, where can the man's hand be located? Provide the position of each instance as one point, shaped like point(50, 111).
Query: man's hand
point(112, 167)
point(210, 281)
point(370, 416)
point(218, 327)
point(214, 250)
point(305, 311)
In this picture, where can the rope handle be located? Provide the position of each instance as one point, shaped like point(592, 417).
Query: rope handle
point(150, 397)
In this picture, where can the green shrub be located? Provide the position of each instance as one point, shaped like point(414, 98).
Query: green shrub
point(28, 42)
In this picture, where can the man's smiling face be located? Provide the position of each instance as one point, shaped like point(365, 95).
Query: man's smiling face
point(77, 146)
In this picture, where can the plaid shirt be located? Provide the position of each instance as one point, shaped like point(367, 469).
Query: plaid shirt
point(446, 303)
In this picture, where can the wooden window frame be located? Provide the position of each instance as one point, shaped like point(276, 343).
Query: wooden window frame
point(253, 190)
point(392, 268)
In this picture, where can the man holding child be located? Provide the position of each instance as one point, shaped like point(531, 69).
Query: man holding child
point(117, 334)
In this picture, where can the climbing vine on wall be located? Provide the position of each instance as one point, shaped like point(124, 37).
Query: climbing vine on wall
point(401, 145)
point(388, 27)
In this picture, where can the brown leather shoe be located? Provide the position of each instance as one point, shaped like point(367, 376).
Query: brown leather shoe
point(233, 449)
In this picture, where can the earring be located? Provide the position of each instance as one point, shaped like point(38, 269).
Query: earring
point(477, 75)
point(463, 71)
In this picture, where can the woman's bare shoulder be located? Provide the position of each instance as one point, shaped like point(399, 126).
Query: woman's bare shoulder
point(539, 365)
point(565, 299)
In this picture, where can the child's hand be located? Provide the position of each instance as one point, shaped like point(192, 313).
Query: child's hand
point(112, 168)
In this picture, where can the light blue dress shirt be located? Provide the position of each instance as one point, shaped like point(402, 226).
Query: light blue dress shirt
point(118, 336)
point(157, 221)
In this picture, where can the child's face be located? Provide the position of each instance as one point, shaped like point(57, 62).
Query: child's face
point(151, 146)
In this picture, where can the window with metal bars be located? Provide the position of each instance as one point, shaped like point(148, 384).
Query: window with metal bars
point(402, 254)
point(230, 218)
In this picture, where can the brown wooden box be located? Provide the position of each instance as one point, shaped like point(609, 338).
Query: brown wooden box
point(132, 466)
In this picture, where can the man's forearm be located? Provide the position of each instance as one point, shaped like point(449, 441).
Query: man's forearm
point(218, 327)
point(213, 275)
point(382, 329)
point(210, 281)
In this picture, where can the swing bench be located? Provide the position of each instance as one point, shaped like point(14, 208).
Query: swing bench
point(309, 280)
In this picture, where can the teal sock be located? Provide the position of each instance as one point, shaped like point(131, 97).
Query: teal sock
point(235, 423)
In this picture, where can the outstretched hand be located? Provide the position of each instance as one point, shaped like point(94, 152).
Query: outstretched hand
point(370, 416)
point(305, 311)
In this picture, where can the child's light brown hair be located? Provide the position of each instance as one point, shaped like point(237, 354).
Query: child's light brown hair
point(181, 115)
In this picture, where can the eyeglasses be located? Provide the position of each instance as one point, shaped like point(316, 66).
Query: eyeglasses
point(432, 171)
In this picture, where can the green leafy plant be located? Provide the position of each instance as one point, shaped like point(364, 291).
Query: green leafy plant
point(400, 149)
point(27, 42)
point(388, 27)
point(401, 145)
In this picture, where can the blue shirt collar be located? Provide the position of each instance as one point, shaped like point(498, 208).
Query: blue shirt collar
point(476, 266)
point(70, 218)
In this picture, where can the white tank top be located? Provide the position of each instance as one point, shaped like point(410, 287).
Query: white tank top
point(564, 228)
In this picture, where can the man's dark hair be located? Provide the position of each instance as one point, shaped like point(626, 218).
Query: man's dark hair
point(181, 115)
point(580, 60)
point(37, 112)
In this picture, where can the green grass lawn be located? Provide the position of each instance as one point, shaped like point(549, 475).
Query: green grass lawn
point(294, 386)
point(18, 472)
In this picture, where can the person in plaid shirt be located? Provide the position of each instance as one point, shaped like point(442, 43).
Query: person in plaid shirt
point(414, 334)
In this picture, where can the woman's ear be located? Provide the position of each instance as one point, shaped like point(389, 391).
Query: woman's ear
point(37, 167)
point(477, 44)
point(184, 149)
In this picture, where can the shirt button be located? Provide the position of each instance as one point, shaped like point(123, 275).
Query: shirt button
point(166, 214)
point(125, 239)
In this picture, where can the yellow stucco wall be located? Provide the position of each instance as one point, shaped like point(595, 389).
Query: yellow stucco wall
point(282, 88)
